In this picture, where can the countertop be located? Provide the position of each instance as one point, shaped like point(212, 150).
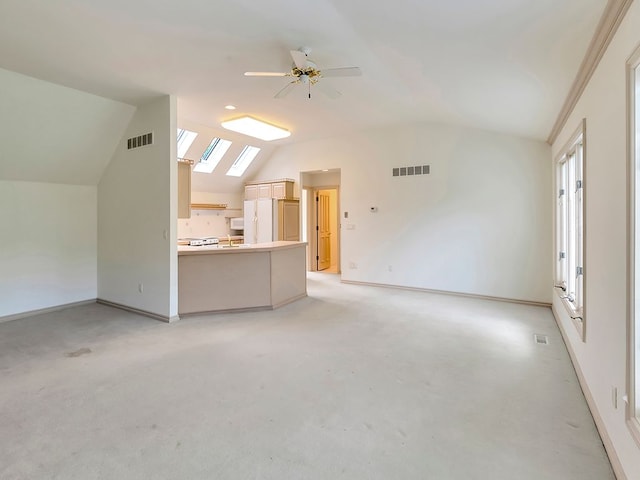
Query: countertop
point(246, 248)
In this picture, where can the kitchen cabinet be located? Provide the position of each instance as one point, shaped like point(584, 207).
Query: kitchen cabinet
point(265, 191)
point(282, 189)
point(257, 277)
point(251, 192)
point(184, 189)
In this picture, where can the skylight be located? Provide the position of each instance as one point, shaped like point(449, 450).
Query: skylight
point(185, 139)
point(212, 155)
point(243, 161)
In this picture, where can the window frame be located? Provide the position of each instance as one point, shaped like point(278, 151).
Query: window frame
point(570, 227)
point(633, 245)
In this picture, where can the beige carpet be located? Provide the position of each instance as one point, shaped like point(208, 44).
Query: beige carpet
point(352, 382)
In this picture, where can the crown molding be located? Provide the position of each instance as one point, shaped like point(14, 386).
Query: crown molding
point(610, 20)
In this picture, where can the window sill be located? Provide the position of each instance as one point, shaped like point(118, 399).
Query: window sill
point(634, 428)
point(576, 315)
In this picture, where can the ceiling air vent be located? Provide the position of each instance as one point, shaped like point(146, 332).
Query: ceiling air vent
point(140, 141)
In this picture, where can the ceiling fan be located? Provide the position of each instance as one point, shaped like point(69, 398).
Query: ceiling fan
point(306, 72)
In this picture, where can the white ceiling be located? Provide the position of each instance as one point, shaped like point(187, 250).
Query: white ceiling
point(502, 65)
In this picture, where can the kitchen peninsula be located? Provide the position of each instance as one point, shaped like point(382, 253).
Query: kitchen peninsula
point(221, 278)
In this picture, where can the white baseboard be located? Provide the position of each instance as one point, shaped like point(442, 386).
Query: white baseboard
point(40, 311)
point(597, 418)
point(446, 292)
point(156, 316)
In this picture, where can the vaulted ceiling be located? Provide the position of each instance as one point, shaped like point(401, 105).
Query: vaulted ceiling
point(501, 65)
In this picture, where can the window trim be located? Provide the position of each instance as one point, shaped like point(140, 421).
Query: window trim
point(633, 179)
point(577, 314)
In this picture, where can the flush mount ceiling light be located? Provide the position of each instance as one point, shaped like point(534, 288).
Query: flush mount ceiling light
point(256, 128)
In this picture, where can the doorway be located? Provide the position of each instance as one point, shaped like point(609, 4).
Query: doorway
point(320, 218)
point(326, 229)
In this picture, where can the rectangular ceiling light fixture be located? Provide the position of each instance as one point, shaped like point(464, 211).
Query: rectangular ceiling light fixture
point(256, 128)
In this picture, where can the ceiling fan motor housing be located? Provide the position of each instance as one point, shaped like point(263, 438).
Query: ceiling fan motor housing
point(311, 73)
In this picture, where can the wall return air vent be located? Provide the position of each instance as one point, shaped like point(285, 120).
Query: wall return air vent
point(140, 141)
point(414, 170)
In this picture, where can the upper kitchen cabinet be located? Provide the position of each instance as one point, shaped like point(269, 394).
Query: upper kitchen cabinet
point(280, 189)
point(184, 189)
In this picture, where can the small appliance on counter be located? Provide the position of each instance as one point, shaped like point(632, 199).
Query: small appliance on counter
point(198, 242)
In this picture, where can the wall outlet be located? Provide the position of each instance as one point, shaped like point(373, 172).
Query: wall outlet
point(140, 287)
point(390, 268)
point(353, 265)
point(351, 226)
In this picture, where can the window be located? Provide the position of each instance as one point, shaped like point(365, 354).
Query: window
point(212, 155)
point(185, 139)
point(633, 350)
point(569, 268)
point(243, 161)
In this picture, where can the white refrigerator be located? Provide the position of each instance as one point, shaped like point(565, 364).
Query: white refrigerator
point(269, 219)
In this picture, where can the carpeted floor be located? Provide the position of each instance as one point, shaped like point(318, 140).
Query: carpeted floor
point(352, 382)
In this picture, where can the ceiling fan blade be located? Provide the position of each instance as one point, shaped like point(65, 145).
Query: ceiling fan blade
point(341, 72)
point(328, 90)
point(300, 59)
point(266, 74)
point(286, 90)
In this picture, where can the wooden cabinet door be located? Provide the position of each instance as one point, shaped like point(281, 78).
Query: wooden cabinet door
point(251, 192)
point(282, 190)
point(264, 190)
point(289, 220)
point(279, 190)
point(184, 190)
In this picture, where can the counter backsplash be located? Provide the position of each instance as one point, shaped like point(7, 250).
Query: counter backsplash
point(203, 223)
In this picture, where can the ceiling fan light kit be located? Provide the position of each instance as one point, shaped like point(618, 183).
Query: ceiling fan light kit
point(256, 128)
point(306, 72)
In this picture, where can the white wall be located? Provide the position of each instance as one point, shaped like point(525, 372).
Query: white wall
point(48, 240)
point(137, 212)
point(50, 133)
point(602, 358)
point(480, 223)
point(55, 142)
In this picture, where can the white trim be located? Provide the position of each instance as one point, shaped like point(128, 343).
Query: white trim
point(156, 316)
point(610, 20)
point(632, 405)
point(40, 311)
point(447, 292)
point(593, 408)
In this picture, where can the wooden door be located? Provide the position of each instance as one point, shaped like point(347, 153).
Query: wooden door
point(323, 230)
